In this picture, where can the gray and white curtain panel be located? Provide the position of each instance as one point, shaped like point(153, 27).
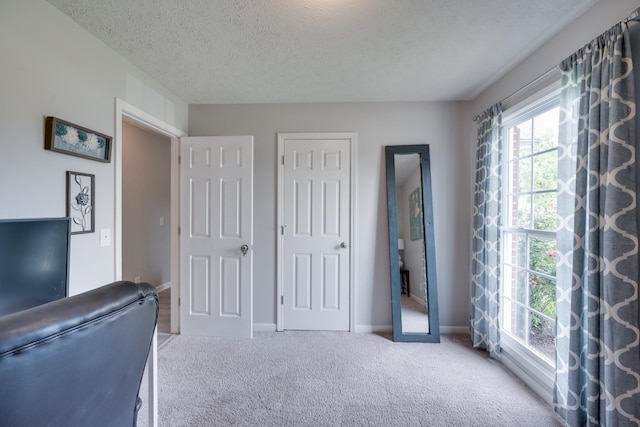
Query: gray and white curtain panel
point(485, 261)
point(598, 336)
point(598, 329)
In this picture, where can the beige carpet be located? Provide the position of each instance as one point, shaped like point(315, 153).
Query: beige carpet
point(338, 379)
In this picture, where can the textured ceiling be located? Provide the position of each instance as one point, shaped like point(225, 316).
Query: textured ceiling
point(272, 51)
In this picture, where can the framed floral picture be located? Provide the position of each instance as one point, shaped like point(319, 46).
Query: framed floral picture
point(80, 202)
point(415, 215)
point(65, 137)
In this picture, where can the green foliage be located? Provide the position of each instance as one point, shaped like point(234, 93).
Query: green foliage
point(533, 188)
point(542, 290)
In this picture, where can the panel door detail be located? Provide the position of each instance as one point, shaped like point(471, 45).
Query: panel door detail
point(316, 233)
point(216, 220)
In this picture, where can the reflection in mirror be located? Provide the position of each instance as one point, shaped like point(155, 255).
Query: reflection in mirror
point(411, 245)
point(413, 301)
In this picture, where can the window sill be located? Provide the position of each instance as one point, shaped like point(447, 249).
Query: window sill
point(532, 369)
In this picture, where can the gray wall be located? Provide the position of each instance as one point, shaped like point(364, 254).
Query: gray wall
point(146, 206)
point(599, 18)
point(53, 67)
point(602, 16)
point(377, 125)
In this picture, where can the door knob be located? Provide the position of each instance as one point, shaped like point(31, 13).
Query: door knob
point(343, 245)
point(244, 249)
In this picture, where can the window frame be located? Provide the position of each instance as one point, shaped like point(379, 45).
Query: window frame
point(537, 370)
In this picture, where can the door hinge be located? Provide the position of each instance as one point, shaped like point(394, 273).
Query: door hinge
point(179, 160)
point(179, 230)
point(179, 301)
point(282, 160)
point(282, 227)
point(282, 299)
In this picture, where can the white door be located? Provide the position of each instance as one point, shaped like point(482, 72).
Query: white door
point(315, 234)
point(216, 236)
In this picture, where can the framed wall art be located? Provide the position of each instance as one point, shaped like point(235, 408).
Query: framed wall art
point(80, 202)
point(65, 137)
point(415, 215)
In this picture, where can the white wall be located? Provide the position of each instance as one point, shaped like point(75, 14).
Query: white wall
point(53, 67)
point(146, 205)
point(377, 125)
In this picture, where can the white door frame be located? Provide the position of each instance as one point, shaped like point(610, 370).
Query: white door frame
point(123, 109)
point(352, 137)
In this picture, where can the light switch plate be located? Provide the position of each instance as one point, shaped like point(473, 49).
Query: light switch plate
point(105, 237)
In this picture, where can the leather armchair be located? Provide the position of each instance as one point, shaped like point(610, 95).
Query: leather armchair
point(77, 361)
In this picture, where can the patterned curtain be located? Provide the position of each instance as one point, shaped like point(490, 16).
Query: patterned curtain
point(485, 260)
point(598, 352)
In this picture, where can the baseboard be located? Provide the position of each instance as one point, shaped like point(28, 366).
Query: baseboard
point(364, 329)
point(264, 327)
point(271, 327)
point(419, 300)
point(454, 329)
point(163, 287)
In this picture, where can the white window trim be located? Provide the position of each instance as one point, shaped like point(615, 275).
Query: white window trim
point(533, 369)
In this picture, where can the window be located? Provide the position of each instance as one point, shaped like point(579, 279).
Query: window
point(529, 187)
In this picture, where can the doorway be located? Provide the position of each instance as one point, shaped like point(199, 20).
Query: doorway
point(131, 114)
point(146, 212)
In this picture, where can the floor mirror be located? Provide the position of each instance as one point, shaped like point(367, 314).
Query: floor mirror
point(414, 292)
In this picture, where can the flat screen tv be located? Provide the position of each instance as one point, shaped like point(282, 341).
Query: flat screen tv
point(34, 262)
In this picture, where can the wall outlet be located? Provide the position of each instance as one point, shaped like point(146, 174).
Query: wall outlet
point(137, 279)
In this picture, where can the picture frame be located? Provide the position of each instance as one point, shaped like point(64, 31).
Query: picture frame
point(415, 214)
point(81, 202)
point(68, 138)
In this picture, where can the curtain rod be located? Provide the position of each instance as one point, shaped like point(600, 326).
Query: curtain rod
point(633, 17)
point(524, 88)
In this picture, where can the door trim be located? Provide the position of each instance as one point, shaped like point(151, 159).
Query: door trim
point(124, 109)
point(352, 137)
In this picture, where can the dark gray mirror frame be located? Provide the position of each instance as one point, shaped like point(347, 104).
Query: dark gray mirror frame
point(429, 245)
